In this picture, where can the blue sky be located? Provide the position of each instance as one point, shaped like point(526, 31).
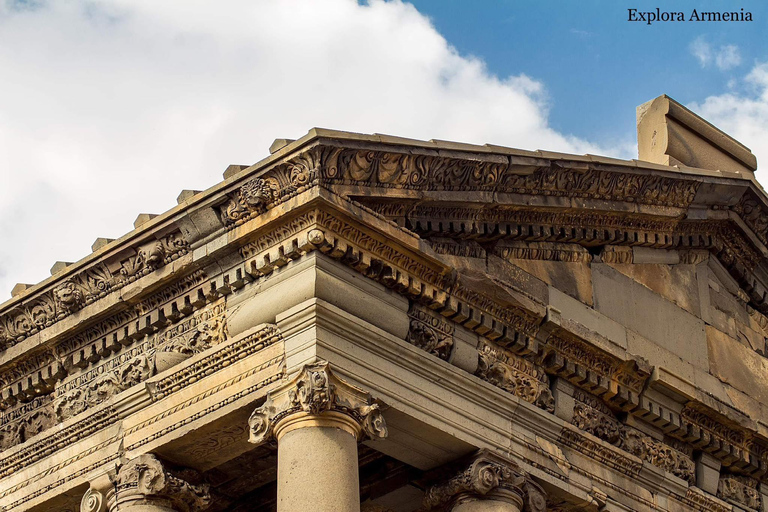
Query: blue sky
point(109, 108)
point(596, 66)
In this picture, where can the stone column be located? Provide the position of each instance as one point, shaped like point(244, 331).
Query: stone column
point(145, 485)
point(317, 420)
point(488, 483)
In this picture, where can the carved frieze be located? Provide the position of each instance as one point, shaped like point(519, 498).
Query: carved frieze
point(515, 375)
point(130, 366)
point(283, 181)
point(315, 391)
point(493, 173)
point(754, 214)
point(740, 490)
point(26, 420)
point(701, 502)
point(659, 454)
point(590, 415)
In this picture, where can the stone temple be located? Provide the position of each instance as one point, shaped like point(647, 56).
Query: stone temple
point(367, 322)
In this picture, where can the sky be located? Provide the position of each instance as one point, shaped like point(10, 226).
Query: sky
point(109, 108)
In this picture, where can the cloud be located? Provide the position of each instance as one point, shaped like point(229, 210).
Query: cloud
point(110, 108)
point(743, 114)
point(725, 57)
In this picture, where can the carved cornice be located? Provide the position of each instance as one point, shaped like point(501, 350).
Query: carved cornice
point(145, 480)
point(317, 393)
point(617, 381)
point(736, 447)
point(487, 477)
point(593, 417)
point(101, 278)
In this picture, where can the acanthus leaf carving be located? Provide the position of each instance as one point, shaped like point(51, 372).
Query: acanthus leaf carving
point(147, 479)
point(515, 375)
point(486, 476)
point(389, 169)
point(314, 391)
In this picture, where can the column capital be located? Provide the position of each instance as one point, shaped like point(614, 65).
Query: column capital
point(487, 476)
point(146, 480)
point(316, 397)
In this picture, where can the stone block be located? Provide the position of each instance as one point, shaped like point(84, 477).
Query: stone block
point(737, 365)
point(574, 279)
point(464, 354)
point(59, 266)
point(186, 194)
point(660, 356)
point(19, 288)
point(707, 472)
point(233, 169)
point(562, 391)
point(573, 311)
point(143, 218)
point(100, 242)
point(670, 134)
point(650, 315)
point(279, 144)
point(676, 283)
point(657, 256)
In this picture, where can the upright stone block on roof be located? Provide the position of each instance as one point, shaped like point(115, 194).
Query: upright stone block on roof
point(670, 134)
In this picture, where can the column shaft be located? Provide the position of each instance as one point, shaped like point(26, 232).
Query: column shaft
point(485, 506)
point(317, 470)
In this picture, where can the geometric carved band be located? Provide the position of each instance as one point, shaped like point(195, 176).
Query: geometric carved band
point(486, 476)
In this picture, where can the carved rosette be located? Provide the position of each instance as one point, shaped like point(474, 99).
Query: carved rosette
point(317, 394)
point(487, 477)
point(146, 481)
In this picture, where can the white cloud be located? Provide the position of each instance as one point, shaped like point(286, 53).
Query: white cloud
point(725, 57)
point(701, 50)
point(110, 108)
point(743, 115)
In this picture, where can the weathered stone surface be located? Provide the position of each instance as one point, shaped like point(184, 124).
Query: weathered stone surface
point(736, 365)
point(676, 283)
point(594, 328)
point(575, 279)
point(653, 317)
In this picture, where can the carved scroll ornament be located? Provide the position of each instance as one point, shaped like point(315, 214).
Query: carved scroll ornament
point(317, 391)
point(145, 479)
